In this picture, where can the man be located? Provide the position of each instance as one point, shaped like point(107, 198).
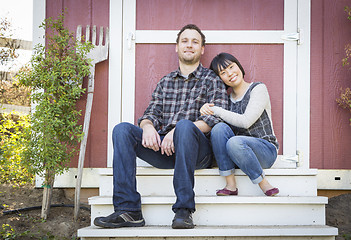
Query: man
point(171, 134)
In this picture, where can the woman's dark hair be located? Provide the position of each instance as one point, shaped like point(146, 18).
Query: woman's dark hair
point(222, 61)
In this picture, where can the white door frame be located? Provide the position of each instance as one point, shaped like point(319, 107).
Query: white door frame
point(296, 40)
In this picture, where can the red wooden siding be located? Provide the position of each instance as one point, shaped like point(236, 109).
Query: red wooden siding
point(210, 15)
point(89, 12)
point(330, 130)
point(261, 63)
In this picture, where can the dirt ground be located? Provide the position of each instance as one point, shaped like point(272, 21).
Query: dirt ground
point(28, 224)
point(60, 223)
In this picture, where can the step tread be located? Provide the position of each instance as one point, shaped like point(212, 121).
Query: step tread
point(101, 200)
point(166, 231)
point(151, 171)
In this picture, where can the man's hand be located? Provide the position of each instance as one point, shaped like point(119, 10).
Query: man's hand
point(206, 110)
point(151, 138)
point(167, 145)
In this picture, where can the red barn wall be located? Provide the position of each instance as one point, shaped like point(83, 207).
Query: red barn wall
point(330, 129)
point(330, 32)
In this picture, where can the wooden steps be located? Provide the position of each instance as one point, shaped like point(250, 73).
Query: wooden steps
point(296, 213)
point(318, 232)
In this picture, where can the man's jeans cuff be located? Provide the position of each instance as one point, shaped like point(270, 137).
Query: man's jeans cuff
point(227, 172)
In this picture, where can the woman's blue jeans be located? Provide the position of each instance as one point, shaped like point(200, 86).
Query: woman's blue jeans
point(192, 151)
point(250, 154)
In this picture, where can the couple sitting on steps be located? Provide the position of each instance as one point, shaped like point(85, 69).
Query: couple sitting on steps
point(189, 119)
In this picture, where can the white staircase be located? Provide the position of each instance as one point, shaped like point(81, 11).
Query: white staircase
point(296, 213)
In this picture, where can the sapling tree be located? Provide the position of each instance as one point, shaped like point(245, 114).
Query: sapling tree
point(57, 72)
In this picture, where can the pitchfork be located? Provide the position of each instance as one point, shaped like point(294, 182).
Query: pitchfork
point(98, 54)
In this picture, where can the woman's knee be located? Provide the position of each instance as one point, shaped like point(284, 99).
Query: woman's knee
point(219, 130)
point(236, 143)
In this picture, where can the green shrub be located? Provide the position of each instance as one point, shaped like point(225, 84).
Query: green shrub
point(12, 131)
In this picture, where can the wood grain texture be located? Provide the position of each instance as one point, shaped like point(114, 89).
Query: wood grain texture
point(210, 15)
point(262, 63)
point(330, 130)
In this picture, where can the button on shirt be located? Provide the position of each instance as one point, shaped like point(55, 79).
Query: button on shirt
point(176, 98)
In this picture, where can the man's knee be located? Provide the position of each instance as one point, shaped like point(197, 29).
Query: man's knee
point(185, 126)
point(121, 129)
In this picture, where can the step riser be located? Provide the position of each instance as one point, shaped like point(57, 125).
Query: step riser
point(231, 214)
point(207, 185)
point(216, 232)
point(212, 238)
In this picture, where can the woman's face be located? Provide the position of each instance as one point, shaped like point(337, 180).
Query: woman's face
point(232, 75)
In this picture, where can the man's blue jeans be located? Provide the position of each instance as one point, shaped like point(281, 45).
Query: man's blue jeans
point(250, 154)
point(192, 151)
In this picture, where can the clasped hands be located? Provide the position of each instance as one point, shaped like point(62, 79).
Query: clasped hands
point(151, 139)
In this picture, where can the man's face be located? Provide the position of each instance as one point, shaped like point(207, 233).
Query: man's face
point(189, 47)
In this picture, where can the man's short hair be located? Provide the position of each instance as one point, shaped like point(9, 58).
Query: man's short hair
point(192, 27)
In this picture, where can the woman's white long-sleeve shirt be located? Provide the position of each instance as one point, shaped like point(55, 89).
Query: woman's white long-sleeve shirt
point(255, 109)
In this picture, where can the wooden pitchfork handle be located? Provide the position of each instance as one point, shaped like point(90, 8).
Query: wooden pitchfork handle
point(98, 54)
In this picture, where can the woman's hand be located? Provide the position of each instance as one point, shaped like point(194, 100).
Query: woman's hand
point(206, 110)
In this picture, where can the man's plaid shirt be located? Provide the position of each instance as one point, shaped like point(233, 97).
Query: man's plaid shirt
point(176, 98)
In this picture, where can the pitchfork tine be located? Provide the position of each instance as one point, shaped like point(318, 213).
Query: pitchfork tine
point(87, 33)
point(79, 33)
point(107, 40)
point(101, 36)
point(93, 39)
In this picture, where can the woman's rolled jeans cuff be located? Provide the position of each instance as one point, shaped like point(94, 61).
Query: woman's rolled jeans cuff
point(226, 173)
point(231, 171)
point(259, 179)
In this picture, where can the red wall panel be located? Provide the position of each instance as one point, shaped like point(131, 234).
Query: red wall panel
point(89, 12)
point(261, 63)
point(330, 129)
point(209, 14)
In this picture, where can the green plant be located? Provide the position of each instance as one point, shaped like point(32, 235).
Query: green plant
point(12, 141)
point(8, 233)
point(56, 75)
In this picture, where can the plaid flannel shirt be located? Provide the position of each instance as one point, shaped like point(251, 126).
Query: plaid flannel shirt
point(176, 98)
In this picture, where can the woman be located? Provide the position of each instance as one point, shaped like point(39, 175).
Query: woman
point(247, 138)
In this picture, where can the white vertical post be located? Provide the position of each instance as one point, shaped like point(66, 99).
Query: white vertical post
point(115, 73)
point(128, 69)
point(303, 83)
point(290, 76)
point(39, 15)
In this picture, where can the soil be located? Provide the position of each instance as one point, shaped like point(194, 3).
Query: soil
point(338, 214)
point(28, 224)
point(60, 223)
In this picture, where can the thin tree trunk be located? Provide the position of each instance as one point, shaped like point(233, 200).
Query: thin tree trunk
point(47, 193)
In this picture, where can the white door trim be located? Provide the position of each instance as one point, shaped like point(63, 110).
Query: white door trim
point(303, 84)
point(296, 68)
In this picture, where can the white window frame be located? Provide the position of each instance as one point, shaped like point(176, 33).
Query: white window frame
point(296, 115)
